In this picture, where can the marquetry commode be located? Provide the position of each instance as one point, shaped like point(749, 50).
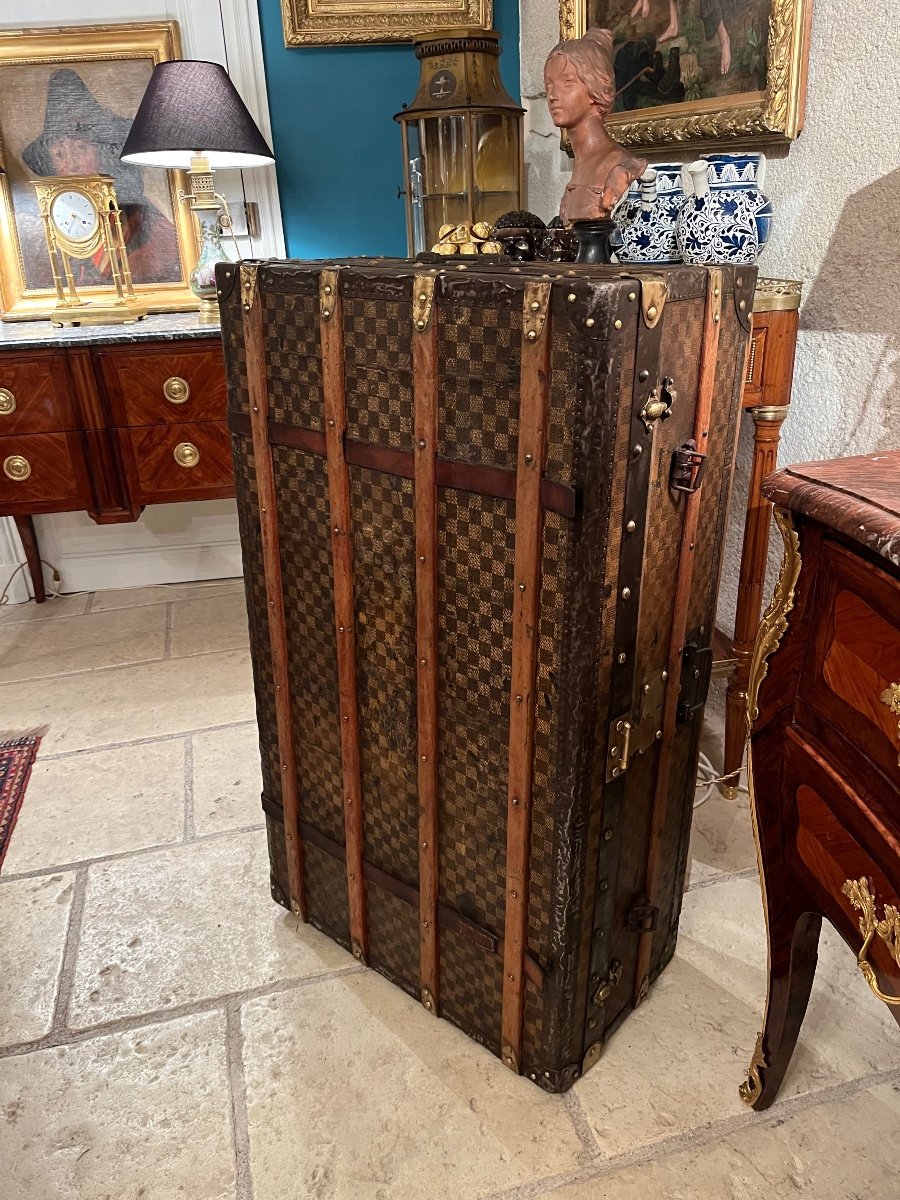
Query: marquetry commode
point(824, 698)
point(108, 419)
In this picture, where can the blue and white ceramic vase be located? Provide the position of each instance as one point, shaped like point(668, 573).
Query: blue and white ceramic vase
point(647, 226)
point(710, 231)
point(739, 180)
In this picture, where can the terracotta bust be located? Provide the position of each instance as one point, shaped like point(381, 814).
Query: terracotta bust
point(581, 87)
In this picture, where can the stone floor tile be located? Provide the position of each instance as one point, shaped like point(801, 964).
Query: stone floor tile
point(139, 1114)
point(217, 622)
point(355, 1093)
point(34, 917)
point(835, 1151)
point(722, 834)
point(162, 594)
point(72, 605)
point(147, 701)
point(96, 803)
point(38, 649)
point(192, 922)
point(227, 779)
point(676, 1063)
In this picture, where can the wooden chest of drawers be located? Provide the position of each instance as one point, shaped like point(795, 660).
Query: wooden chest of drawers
point(110, 426)
point(825, 745)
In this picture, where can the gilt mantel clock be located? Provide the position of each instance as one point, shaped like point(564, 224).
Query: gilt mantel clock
point(82, 221)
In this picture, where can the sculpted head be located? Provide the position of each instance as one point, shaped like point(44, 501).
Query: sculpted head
point(580, 79)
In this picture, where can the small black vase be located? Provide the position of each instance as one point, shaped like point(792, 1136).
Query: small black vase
point(593, 240)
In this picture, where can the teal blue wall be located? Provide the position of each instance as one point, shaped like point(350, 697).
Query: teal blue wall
point(337, 149)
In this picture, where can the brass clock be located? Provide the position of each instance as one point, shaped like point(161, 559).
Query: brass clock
point(81, 217)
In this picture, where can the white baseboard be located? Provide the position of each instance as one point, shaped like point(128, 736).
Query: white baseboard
point(144, 567)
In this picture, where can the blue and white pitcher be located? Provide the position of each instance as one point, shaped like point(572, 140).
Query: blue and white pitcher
point(646, 220)
point(738, 180)
point(713, 229)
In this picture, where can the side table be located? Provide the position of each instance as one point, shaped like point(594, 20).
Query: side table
point(767, 396)
point(823, 707)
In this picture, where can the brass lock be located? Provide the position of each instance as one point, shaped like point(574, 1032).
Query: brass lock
point(176, 390)
point(16, 467)
point(7, 402)
point(186, 454)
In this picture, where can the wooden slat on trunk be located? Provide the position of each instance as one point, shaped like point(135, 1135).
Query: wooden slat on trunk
point(257, 385)
point(535, 387)
point(335, 404)
point(709, 358)
point(425, 434)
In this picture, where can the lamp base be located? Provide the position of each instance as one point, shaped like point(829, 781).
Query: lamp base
point(209, 313)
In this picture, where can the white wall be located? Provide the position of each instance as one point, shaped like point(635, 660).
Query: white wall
point(837, 227)
point(171, 542)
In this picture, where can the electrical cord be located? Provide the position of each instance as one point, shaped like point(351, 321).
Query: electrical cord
point(57, 578)
point(707, 778)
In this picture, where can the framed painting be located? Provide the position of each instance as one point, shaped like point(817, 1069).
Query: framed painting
point(706, 73)
point(345, 22)
point(67, 100)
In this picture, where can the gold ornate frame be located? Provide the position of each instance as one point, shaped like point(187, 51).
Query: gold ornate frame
point(157, 41)
point(346, 22)
point(775, 115)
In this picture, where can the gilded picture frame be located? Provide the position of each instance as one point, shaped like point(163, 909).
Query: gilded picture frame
point(351, 22)
point(68, 96)
point(770, 36)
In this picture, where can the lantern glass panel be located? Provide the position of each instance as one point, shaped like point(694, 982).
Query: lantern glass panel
point(446, 185)
point(496, 143)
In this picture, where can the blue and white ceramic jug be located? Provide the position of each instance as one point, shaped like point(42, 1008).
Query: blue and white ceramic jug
point(646, 222)
point(738, 179)
point(713, 229)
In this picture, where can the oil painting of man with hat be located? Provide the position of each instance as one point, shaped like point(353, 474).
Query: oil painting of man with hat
point(73, 120)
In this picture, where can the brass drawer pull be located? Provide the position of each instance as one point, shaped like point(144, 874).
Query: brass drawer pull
point(16, 467)
point(860, 896)
point(176, 390)
point(186, 454)
point(7, 402)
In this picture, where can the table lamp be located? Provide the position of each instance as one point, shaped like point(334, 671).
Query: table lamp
point(192, 118)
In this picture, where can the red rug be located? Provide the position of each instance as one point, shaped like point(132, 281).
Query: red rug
point(17, 755)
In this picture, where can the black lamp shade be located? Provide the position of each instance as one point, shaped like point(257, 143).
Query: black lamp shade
point(191, 108)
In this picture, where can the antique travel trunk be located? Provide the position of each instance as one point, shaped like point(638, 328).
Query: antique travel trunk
point(482, 510)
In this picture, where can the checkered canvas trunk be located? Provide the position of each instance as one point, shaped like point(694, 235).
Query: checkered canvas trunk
point(461, 550)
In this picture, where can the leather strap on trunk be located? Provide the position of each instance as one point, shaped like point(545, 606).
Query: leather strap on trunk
point(534, 399)
point(257, 384)
point(331, 330)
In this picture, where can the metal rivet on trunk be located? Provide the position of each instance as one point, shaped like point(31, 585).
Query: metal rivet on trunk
point(618, 324)
point(590, 322)
point(531, 335)
point(572, 297)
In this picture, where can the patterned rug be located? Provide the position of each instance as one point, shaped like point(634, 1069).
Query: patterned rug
point(17, 755)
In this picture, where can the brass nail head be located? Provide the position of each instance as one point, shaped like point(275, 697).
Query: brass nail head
point(652, 311)
point(535, 306)
point(420, 324)
point(572, 297)
point(326, 312)
point(623, 658)
point(421, 443)
point(617, 323)
point(590, 322)
point(626, 593)
point(630, 527)
point(514, 894)
point(632, 296)
point(531, 335)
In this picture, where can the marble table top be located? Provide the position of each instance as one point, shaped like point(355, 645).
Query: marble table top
point(164, 327)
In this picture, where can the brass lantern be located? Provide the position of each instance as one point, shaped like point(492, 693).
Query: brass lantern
point(462, 137)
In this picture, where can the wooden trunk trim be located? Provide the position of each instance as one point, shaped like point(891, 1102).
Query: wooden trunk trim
point(535, 390)
point(706, 385)
point(257, 384)
point(335, 406)
point(465, 477)
point(425, 435)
